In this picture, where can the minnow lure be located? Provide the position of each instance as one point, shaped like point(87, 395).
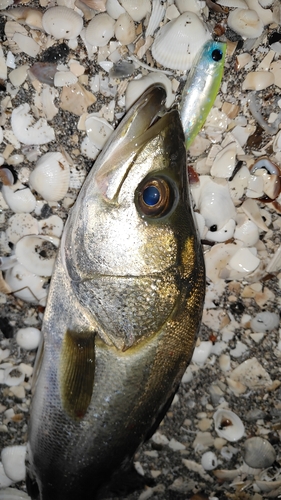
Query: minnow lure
point(201, 88)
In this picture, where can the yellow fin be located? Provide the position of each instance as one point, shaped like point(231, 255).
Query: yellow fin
point(77, 371)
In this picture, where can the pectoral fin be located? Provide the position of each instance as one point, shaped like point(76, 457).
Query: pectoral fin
point(77, 372)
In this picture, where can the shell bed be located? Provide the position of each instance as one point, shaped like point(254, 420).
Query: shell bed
point(68, 73)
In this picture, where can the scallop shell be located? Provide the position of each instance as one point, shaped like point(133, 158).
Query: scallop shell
point(50, 178)
point(228, 425)
point(25, 285)
point(37, 253)
point(259, 453)
point(62, 22)
point(178, 41)
point(100, 30)
point(13, 460)
point(157, 14)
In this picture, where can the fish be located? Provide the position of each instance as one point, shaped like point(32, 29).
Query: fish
point(201, 88)
point(123, 310)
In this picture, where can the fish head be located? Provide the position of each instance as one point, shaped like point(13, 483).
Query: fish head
point(130, 245)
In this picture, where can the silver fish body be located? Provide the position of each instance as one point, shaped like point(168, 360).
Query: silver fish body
point(123, 310)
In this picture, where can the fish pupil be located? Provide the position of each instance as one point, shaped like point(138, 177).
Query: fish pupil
point(151, 195)
point(216, 55)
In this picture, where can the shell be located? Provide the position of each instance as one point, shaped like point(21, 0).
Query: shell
point(157, 14)
point(37, 253)
point(223, 234)
point(28, 132)
point(195, 6)
point(19, 198)
point(214, 202)
point(20, 225)
point(26, 44)
point(98, 130)
point(245, 260)
point(26, 15)
point(13, 494)
point(100, 30)
point(264, 322)
point(228, 425)
point(224, 162)
point(114, 9)
point(62, 22)
point(13, 376)
point(137, 9)
point(258, 80)
point(63, 78)
point(246, 231)
point(28, 338)
point(178, 41)
point(76, 99)
point(259, 453)
point(125, 30)
point(25, 285)
point(245, 22)
point(4, 479)
point(51, 176)
point(209, 460)
point(136, 88)
point(13, 458)
point(52, 226)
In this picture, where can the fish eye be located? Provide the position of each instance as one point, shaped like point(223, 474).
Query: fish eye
point(155, 197)
point(216, 55)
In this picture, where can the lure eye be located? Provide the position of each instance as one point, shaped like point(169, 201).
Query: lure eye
point(216, 55)
point(155, 197)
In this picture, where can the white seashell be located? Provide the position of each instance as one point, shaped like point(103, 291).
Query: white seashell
point(224, 362)
point(228, 425)
point(137, 87)
point(195, 6)
point(52, 226)
point(265, 15)
point(13, 460)
point(125, 30)
point(178, 41)
point(28, 132)
point(223, 234)
point(88, 149)
point(62, 22)
point(224, 162)
point(258, 80)
point(4, 479)
point(275, 263)
point(50, 178)
point(251, 209)
point(13, 376)
point(26, 15)
point(20, 225)
point(209, 460)
point(201, 352)
point(37, 253)
point(247, 231)
point(100, 30)
point(238, 184)
point(157, 14)
point(244, 260)
point(62, 78)
point(19, 198)
point(26, 44)
point(114, 9)
point(25, 285)
point(13, 494)
point(214, 202)
point(137, 9)
point(18, 76)
point(265, 322)
point(98, 130)
point(245, 22)
point(28, 338)
point(217, 258)
point(259, 453)
point(252, 374)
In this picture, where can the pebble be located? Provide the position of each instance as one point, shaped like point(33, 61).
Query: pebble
point(28, 338)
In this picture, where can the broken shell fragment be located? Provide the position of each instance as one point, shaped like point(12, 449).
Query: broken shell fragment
point(13, 376)
point(13, 460)
point(76, 99)
point(178, 41)
point(245, 22)
point(228, 425)
point(100, 30)
point(62, 22)
point(125, 30)
point(245, 260)
point(264, 322)
point(25, 285)
point(137, 9)
point(37, 253)
point(27, 131)
point(258, 80)
point(19, 198)
point(98, 130)
point(259, 453)
point(26, 15)
point(51, 176)
point(19, 225)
